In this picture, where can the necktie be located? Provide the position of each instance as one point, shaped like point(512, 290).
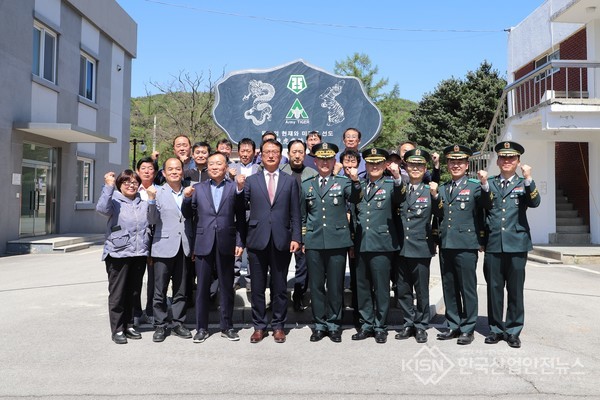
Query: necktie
point(411, 192)
point(271, 187)
point(452, 187)
point(323, 184)
point(371, 186)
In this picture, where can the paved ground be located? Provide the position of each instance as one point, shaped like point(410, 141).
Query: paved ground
point(55, 342)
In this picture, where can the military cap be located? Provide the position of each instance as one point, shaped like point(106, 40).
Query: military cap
point(457, 152)
point(393, 154)
point(417, 156)
point(324, 150)
point(509, 149)
point(374, 155)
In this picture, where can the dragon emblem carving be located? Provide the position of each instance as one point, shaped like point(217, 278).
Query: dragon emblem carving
point(262, 93)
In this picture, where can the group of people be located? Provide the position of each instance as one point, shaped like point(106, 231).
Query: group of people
point(383, 213)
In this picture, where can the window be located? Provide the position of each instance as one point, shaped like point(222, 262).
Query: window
point(85, 173)
point(547, 58)
point(44, 53)
point(87, 77)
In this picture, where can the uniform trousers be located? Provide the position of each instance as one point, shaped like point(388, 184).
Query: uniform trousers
point(459, 282)
point(373, 289)
point(505, 270)
point(326, 271)
point(301, 275)
point(123, 275)
point(413, 273)
point(262, 262)
point(223, 264)
point(172, 269)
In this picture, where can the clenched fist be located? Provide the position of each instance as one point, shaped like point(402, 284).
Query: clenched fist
point(482, 175)
point(151, 192)
point(188, 191)
point(109, 179)
point(240, 180)
point(394, 170)
point(526, 169)
point(353, 174)
point(433, 188)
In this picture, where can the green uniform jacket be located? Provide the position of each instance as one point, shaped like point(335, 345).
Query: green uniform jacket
point(375, 226)
point(324, 220)
point(461, 221)
point(415, 214)
point(507, 229)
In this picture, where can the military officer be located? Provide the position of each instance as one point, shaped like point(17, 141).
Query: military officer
point(508, 241)
point(417, 246)
point(462, 236)
point(376, 241)
point(326, 238)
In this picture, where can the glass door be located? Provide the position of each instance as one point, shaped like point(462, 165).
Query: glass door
point(37, 188)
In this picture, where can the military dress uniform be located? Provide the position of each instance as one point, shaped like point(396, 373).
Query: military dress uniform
point(508, 240)
point(376, 241)
point(462, 234)
point(326, 238)
point(417, 248)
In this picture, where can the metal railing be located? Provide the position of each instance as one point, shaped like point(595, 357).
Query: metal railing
point(558, 81)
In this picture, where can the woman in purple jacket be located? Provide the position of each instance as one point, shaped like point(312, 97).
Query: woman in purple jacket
point(125, 249)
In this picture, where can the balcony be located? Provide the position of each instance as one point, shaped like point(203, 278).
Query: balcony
point(559, 96)
point(563, 82)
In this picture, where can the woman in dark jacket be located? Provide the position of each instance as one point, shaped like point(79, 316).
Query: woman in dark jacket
point(125, 249)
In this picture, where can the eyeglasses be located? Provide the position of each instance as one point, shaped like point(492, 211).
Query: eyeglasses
point(130, 183)
point(272, 152)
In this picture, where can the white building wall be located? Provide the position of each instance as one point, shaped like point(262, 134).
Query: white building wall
point(90, 36)
point(536, 35)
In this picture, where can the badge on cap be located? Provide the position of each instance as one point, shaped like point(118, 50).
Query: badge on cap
point(506, 145)
point(417, 152)
point(456, 147)
point(373, 150)
point(325, 146)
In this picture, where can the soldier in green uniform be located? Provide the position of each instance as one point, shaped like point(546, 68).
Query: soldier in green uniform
point(417, 246)
point(508, 241)
point(326, 238)
point(376, 241)
point(462, 235)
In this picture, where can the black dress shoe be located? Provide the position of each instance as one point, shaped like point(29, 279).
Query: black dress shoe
point(201, 336)
point(381, 337)
point(494, 338)
point(182, 332)
point(405, 333)
point(119, 338)
point(513, 341)
point(451, 334)
point(421, 336)
point(230, 334)
point(362, 335)
point(465, 338)
point(317, 335)
point(159, 334)
point(131, 333)
point(336, 336)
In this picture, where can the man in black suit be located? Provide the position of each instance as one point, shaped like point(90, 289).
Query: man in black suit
point(218, 209)
point(274, 233)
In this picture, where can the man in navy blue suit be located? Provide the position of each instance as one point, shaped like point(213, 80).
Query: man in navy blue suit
point(274, 233)
point(219, 210)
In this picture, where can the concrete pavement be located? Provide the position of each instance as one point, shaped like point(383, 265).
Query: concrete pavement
point(55, 342)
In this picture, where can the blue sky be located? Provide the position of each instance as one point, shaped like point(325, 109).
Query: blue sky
point(420, 43)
